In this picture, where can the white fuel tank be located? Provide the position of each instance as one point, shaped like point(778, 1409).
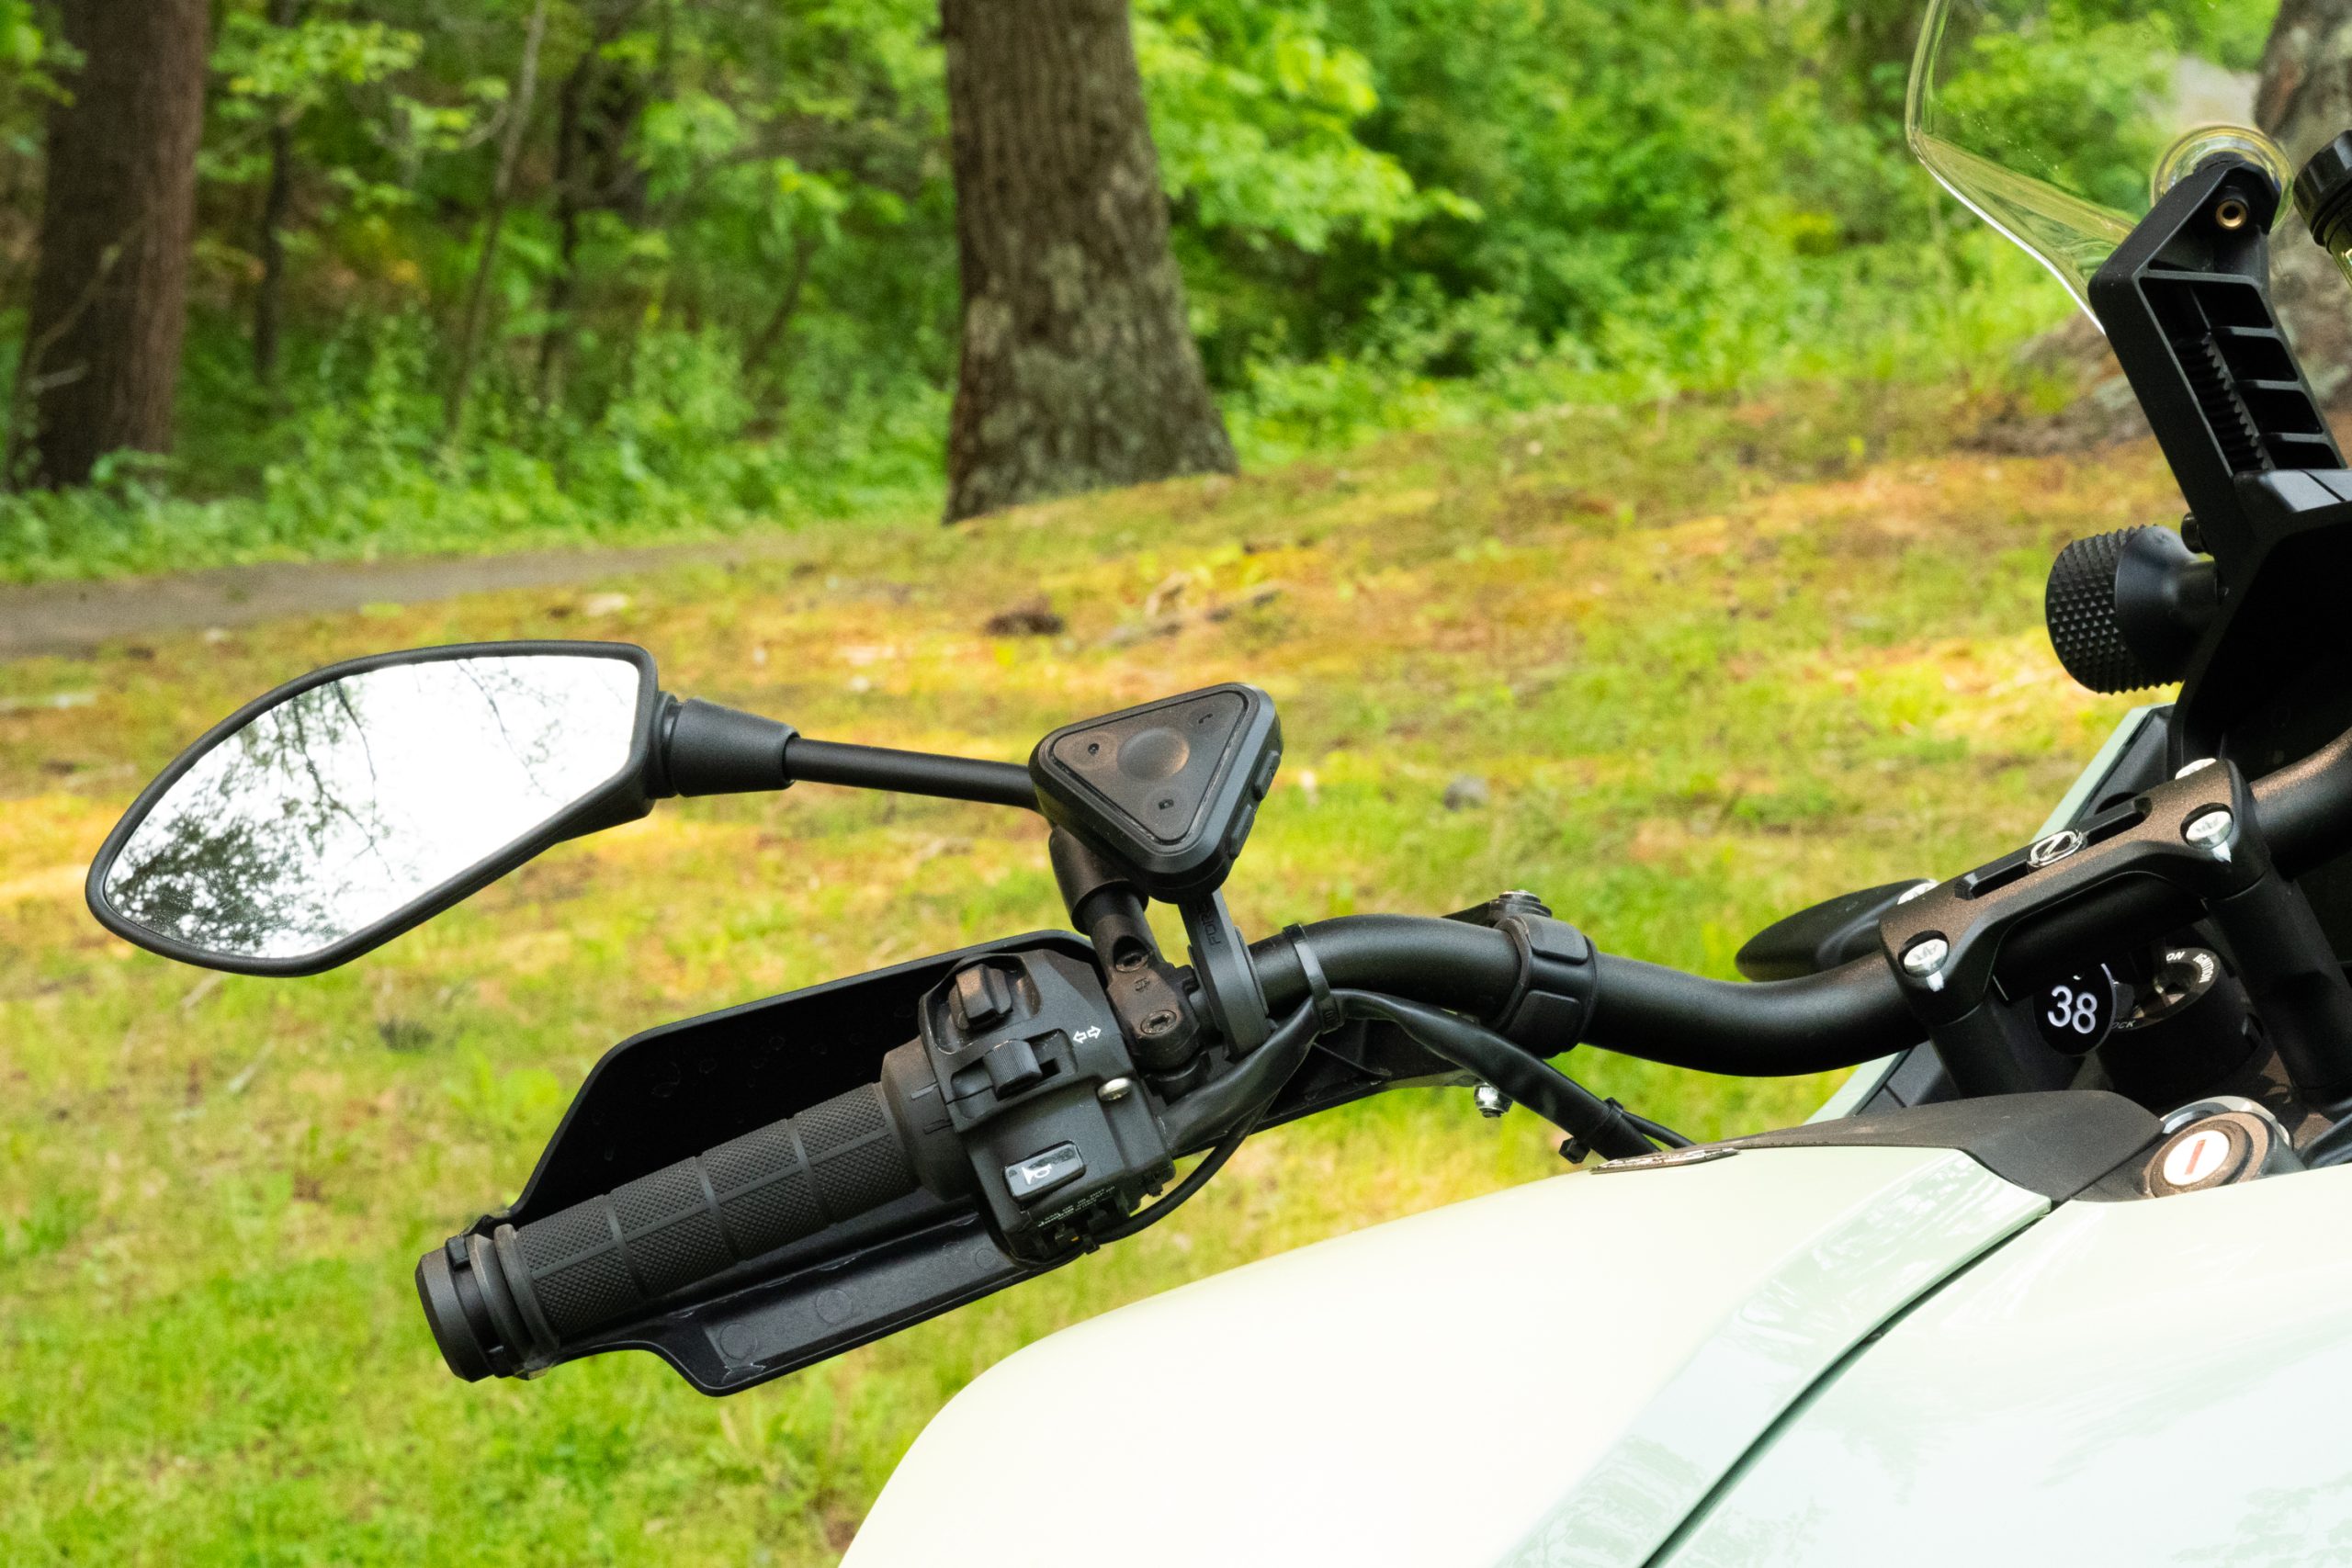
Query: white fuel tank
point(2124, 1384)
point(1554, 1375)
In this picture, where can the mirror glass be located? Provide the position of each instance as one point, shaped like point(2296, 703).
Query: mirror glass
point(339, 807)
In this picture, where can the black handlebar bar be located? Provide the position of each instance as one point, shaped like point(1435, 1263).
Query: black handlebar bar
point(2306, 808)
point(1771, 1030)
point(1780, 1028)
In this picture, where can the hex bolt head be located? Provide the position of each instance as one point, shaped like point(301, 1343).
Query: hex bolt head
point(2212, 832)
point(1114, 1091)
point(1492, 1101)
point(1924, 959)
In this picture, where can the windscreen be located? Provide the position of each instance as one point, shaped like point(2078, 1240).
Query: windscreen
point(2061, 122)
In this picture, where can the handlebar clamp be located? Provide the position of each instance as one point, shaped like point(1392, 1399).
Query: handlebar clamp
point(2198, 833)
point(2195, 834)
point(1558, 980)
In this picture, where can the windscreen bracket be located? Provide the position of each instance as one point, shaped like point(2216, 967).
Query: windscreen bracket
point(2186, 304)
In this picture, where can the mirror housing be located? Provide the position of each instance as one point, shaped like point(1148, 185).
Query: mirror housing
point(220, 865)
point(626, 794)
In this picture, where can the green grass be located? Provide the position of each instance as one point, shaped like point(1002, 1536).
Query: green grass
point(1713, 661)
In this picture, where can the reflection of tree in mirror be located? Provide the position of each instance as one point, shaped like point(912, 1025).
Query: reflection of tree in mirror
point(521, 712)
point(229, 860)
point(348, 801)
point(226, 888)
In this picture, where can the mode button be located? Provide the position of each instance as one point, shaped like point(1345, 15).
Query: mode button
point(983, 994)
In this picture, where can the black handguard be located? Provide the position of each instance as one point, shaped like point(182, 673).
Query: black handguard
point(509, 1300)
point(1021, 1096)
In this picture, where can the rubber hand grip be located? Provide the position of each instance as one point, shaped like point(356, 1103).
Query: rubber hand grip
point(607, 1257)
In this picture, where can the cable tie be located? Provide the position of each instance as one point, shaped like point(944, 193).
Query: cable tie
point(1327, 1014)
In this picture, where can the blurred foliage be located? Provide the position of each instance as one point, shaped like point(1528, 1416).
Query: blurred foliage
point(726, 291)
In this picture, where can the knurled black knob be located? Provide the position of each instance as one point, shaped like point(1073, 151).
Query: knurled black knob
point(2085, 626)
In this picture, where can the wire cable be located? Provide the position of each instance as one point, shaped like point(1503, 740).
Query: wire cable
point(1236, 1103)
point(1239, 1100)
point(1601, 1126)
point(1198, 1178)
point(1656, 1133)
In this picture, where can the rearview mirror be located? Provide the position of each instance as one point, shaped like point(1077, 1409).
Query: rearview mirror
point(340, 810)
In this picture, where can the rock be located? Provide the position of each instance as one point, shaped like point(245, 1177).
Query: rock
point(1468, 793)
point(1035, 617)
point(403, 1034)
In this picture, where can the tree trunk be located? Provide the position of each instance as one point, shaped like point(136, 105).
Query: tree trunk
point(501, 191)
point(570, 123)
point(270, 296)
point(110, 303)
point(1079, 370)
point(2304, 98)
point(597, 109)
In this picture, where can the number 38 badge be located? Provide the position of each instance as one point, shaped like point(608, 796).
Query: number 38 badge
point(2075, 1013)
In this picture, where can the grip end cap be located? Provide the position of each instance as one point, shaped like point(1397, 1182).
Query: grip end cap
point(444, 1310)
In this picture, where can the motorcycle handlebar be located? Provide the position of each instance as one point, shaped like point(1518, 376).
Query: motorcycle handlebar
point(1779, 1027)
point(1772, 1030)
point(510, 1302)
point(2306, 808)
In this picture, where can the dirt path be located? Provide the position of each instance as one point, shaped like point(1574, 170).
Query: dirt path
point(64, 617)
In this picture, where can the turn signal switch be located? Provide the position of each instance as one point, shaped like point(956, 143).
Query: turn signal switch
point(2126, 609)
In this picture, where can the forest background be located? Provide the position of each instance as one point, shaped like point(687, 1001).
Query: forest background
point(489, 276)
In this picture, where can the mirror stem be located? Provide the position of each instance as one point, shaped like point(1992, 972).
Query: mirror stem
point(709, 750)
point(910, 772)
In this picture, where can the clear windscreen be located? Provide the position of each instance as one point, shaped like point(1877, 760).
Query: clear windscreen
point(2059, 122)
